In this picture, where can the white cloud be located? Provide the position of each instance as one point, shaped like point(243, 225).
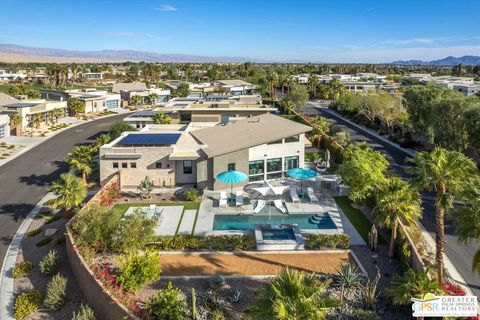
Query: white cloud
point(166, 7)
point(121, 34)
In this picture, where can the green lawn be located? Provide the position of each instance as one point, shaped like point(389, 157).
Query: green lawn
point(121, 208)
point(357, 218)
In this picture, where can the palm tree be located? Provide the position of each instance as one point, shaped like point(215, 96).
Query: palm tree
point(81, 159)
point(448, 173)
point(70, 191)
point(272, 80)
point(293, 295)
point(313, 82)
point(135, 99)
point(161, 118)
point(396, 202)
point(153, 98)
point(75, 106)
point(412, 285)
point(100, 141)
point(321, 128)
point(37, 119)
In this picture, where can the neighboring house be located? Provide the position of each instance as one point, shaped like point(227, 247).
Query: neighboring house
point(11, 76)
point(7, 99)
point(95, 101)
point(29, 108)
point(140, 119)
point(264, 147)
point(128, 86)
point(4, 125)
point(360, 86)
point(92, 76)
point(162, 96)
point(237, 87)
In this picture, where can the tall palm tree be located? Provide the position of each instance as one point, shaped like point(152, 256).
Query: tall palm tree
point(81, 159)
point(293, 295)
point(70, 191)
point(272, 80)
point(321, 128)
point(396, 202)
point(100, 141)
point(448, 173)
point(161, 118)
point(152, 97)
point(135, 99)
point(313, 82)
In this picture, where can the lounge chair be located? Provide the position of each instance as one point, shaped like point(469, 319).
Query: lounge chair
point(294, 195)
point(223, 201)
point(260, 205)
point(279, 205)
point(311, 195)
point(239, 199)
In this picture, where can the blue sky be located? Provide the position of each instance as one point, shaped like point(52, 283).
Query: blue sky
point(314, 30)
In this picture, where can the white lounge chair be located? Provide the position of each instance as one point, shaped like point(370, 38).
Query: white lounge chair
point(239, 199)
point(223, 201)
point(311, 195)
point(294, 195)
point(279, 205)
point(260, 205)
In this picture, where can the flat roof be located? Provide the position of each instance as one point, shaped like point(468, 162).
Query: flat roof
point(149, 139)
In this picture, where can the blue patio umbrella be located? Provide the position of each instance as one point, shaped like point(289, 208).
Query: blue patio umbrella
point(231, 177)
point(301, 173)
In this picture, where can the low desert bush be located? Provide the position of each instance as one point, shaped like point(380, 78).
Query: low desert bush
point(22, 269)
point(85, 313)
point(167, 304)
point(56, 292)
point(49, 263)
point(27, 303)
point(137, 270)
point(323, 241)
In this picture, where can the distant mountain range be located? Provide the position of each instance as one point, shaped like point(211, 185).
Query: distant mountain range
point(448, 61)
point(15, 53)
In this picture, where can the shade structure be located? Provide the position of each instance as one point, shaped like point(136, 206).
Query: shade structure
point(302, 173)
point(231, 177)
point(269, 192)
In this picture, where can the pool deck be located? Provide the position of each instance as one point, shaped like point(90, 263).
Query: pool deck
point(171, 218)
point(209, 208)
point(188, 220)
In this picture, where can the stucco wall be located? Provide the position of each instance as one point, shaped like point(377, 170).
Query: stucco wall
point(220, 164)
point(183, 178)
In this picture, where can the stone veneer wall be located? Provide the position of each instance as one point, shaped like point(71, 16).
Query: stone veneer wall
point(105, 305)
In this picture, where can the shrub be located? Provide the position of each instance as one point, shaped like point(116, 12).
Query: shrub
point(94, 226)
point(133, 232)
point(322, 241)
point(34, 232)
point(56, 292)
point(452, 289)
point(27, 303)
point(137, 270)
point(192, 194)
point(212, 243)
point(49, 263)
point(22, 269)
point(43, 242)
point(167, 304)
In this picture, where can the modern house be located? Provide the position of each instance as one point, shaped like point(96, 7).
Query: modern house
point(237, 87)
point(27, 109)
point(10, 76)
point(4, 125)
point(92, 76)
point(95, 101)
point(128, 90)
point(263, 146)
point(215, 108)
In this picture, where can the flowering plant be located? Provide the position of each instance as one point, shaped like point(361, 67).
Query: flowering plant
point(453, 289)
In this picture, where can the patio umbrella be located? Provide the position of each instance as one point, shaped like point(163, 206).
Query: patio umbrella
point(231, 177)
point(301, 174)
point(269, 192)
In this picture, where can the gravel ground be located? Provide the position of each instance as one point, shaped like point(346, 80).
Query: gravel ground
point(36, 280)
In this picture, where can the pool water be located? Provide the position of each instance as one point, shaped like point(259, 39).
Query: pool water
point(278, 234)
point(248, 222)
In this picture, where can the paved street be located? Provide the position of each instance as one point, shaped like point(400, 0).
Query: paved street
point(460, 255)
point(26, 179)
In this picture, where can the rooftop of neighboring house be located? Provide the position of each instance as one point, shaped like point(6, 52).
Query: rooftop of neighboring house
point(240, 102)
point(7, 99)
point(234, 83)
point(128, 86)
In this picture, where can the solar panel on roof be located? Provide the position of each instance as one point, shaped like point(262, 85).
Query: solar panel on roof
point(157, 139)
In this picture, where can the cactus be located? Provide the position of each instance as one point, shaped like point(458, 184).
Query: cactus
point(373, 238)
point(194, 304)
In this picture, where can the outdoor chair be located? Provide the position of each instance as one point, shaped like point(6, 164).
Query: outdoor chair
point(311, 195)
point(239, 199)
point(294, 195)
point(279, 205)
point(222, 202)
point(260, 205)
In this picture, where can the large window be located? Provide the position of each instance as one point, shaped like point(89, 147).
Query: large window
point(187, 166)
point(295, 138)
point(291, 162)
point(256, 170)
point(274, 165)
point(111, 104)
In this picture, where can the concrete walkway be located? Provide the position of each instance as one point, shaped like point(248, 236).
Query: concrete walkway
point(186, 226)
point(171, 219)
point(6, 280)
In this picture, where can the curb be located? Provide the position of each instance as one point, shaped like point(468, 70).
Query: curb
point(6, 280)
point(53, 135)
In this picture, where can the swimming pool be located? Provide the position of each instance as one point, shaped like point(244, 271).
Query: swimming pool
point(248, 222)
point(278, 234)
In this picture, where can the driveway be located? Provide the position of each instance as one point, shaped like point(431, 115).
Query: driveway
point(26, 179)
point(460, 255)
